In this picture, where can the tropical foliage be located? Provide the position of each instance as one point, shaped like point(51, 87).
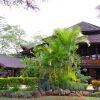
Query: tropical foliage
point(58, 59)
point(31, 69)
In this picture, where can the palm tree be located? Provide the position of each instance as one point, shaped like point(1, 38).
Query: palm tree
point(59, 57)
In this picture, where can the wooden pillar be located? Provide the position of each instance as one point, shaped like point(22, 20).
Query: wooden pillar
point(96, 52)
point(16, 72)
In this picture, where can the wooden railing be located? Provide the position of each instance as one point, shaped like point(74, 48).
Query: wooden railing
point(90, 61)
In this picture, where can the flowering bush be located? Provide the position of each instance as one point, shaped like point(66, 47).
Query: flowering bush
point(96, 83)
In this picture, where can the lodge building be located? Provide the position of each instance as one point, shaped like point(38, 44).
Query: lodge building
point(90, 56)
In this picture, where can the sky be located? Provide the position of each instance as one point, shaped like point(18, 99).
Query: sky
point(52, 14)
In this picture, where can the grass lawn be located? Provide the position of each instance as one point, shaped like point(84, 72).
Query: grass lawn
point(54, 98)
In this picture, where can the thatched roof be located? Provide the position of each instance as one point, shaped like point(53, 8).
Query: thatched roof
point(87, 27)
point(28, 50)
point(10, 62)
point(91, 30)
point(94, 38)
point(27, 47)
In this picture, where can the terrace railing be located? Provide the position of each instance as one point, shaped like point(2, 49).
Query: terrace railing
point(93, 60)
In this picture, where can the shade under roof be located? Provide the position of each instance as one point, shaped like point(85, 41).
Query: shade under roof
point(94, 38)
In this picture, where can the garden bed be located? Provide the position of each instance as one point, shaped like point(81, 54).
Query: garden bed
point(41, 93)
point(28, 87)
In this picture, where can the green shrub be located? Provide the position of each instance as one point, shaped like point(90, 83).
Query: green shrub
point(29, 81)
point(81, 77)
point(76, 85)
point(15, 82)
point(96, 94)
point(3, 83)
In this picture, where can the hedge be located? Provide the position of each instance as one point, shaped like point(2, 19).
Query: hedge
point(15, 82)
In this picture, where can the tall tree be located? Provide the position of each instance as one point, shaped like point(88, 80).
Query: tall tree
point(11, 37)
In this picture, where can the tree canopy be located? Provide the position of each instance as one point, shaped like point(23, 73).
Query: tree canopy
point(25, 3)
point(11, 37)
